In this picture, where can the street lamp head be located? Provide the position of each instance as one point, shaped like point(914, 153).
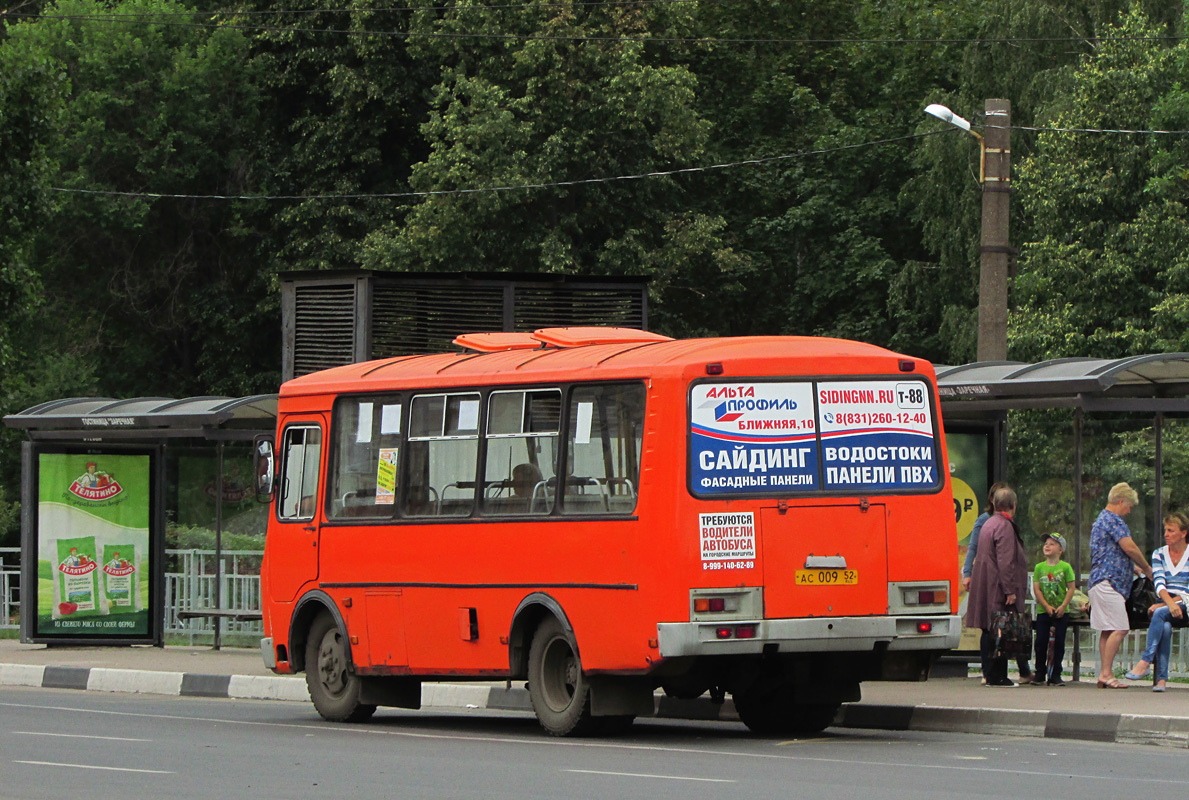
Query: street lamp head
point(945, 115)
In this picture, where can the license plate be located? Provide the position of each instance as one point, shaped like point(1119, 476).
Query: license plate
point(827, 577)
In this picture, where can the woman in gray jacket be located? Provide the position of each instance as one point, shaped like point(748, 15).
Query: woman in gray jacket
point(999, 581)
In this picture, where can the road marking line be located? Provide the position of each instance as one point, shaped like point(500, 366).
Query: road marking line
point(92, 766)
point(608, 745)
point(644, 775)
point(80, 736)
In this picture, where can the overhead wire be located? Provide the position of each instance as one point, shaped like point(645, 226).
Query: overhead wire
point(510, 188)
point(1095, 130)
point(583, 181)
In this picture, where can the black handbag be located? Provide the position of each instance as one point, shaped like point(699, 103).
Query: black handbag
point(1013, 633)
point(1143, 596)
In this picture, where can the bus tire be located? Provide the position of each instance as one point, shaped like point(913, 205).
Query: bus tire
point(556, 686)
point(768, 709)
point(333, 685)
point(814, 717)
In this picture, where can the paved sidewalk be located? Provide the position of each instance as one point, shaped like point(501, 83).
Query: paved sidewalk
point(960, 705)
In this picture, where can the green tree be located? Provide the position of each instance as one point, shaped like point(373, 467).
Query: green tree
point(149, 292)
point(579, 97)
point(32, 90)
point(820, 229)
point(125, 295)
point(1104, 270)
point(1023, 52)
point(342, 102)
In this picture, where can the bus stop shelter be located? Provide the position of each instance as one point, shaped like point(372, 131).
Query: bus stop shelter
point(1152, 386)
point(102, 479)
point(1062, 431)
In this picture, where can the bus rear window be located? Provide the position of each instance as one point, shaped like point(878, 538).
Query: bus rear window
point(605, 436)
point(836, 436)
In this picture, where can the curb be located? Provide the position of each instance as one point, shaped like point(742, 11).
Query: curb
point(1085, 726)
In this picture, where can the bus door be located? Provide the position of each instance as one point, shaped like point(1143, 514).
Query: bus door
point(298, 512)
point(824, 560)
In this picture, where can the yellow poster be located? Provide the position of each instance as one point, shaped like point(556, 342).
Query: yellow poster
point(386, 477)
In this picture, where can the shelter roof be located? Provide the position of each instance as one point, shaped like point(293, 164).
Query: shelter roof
point(1147, 383)
point(148, 417)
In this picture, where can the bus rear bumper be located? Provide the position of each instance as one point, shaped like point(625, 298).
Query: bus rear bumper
point(816, 635)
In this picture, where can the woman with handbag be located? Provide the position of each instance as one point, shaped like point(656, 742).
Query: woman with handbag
point(999, 582)
point(1170, 568)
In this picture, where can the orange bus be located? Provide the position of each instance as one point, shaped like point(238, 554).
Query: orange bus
point(607, 512)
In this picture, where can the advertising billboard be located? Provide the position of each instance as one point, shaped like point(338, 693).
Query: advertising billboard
point(90, 546)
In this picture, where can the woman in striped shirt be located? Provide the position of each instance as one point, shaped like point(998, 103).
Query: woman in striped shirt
point(1170, 568)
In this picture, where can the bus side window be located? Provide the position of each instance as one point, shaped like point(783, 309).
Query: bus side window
point(443, 455)
point(365, 457)
point(520, 474)
point(300, 456)
point(605, 436)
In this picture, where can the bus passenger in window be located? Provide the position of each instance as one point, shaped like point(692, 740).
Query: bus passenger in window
point(525, 478)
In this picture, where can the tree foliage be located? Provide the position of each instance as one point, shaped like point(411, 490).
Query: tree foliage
point(145, 292)
point(583, 96)
point(1104, 270)
point(764, 162)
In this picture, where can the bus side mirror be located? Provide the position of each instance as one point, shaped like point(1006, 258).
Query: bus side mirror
point(262, 462)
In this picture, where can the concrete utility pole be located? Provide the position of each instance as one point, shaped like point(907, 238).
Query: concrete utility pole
point(996, 251)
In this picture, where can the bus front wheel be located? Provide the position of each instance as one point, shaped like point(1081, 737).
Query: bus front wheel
point(559, 692)
point(333, 686)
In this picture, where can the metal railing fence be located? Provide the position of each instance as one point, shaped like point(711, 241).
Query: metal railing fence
point(10, 587)
point(190, 585)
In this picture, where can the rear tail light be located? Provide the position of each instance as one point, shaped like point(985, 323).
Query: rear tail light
point(738, 632)
point(719, 605)
point(704, 604)
point(924, 627)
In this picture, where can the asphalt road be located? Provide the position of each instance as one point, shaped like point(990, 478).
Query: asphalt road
point(59, 744)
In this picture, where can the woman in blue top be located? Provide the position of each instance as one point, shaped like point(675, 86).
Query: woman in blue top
point(1170, 569)
point(972, 544)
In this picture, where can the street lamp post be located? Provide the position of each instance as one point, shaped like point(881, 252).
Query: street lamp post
point(995, 251)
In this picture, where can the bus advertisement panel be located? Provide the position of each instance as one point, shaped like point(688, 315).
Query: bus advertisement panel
point(878, 435)
point(757, 436)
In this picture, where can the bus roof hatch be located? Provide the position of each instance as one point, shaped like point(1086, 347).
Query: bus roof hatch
point(497, 341)
point(580, 337)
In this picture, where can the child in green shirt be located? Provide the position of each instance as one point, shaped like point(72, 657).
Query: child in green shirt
point(1052, 586)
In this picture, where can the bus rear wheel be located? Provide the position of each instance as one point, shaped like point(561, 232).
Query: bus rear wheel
point(556, 686)
point(333, 686)
point(769, 710)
